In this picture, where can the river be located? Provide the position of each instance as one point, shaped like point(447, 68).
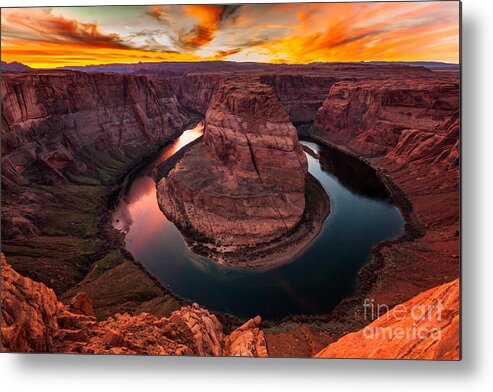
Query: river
point(361, 216)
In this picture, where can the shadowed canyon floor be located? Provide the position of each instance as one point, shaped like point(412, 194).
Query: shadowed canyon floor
point(69, 139)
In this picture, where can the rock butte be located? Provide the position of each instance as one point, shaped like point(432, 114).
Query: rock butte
point(245, 184)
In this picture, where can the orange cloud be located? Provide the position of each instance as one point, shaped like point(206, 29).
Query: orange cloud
point(221, 54)
point(210, 18)
point(159, 13)
point(356, 34)
point(41, 39)
point(40, 26)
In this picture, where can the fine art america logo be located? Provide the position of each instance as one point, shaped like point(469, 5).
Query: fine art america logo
point(402, 322)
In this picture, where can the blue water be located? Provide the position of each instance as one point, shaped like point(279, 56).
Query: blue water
point(313, 283)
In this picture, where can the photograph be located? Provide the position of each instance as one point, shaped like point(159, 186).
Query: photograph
point(276, 180)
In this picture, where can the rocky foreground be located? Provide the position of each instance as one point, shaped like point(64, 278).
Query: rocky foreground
point(425, 327)
point(245, 184)
point(33, 320)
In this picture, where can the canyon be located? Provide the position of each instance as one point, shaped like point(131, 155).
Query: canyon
point(69, 137)
point(409, 132)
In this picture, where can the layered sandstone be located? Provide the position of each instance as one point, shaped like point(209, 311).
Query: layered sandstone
point(33, 320)
point(245, 184)
point(425, 327)
point(195, 91)
point(29, 313)
point(50, 119)
point(301, 94)
point(247, 340)
point(371, 115)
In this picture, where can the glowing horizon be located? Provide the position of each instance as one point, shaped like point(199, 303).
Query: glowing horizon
point(271, 33)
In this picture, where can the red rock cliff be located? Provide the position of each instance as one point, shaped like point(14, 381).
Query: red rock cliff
point(370, 115)
point(300, 94)
point(62, 127)
point(50, 118)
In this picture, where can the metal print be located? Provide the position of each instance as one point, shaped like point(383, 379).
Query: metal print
point(267, 180)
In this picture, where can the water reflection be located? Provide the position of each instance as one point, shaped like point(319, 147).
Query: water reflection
point(140, 197)
point(354, 174)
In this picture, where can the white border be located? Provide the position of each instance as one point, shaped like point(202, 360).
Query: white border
point(474, 373)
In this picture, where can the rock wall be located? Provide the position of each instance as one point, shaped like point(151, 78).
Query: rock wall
point(195, 92)
point(67, 139)
point(245, 184)
point(33, 320)
point(370, 115)
point(50, 118)
point(300, 94)
point(29, 312)
point(425, 327)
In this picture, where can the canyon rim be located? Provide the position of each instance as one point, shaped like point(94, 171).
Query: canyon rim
point(277, 180)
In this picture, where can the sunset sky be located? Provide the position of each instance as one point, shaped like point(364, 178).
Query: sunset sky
point(290, 33)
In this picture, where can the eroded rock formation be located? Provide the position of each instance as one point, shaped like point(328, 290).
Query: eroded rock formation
point(371, 115)
point(425, 327)
point(245, 184)
point(195, 91)
point(33, 320)
point(29, 311)
point(301, 94)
